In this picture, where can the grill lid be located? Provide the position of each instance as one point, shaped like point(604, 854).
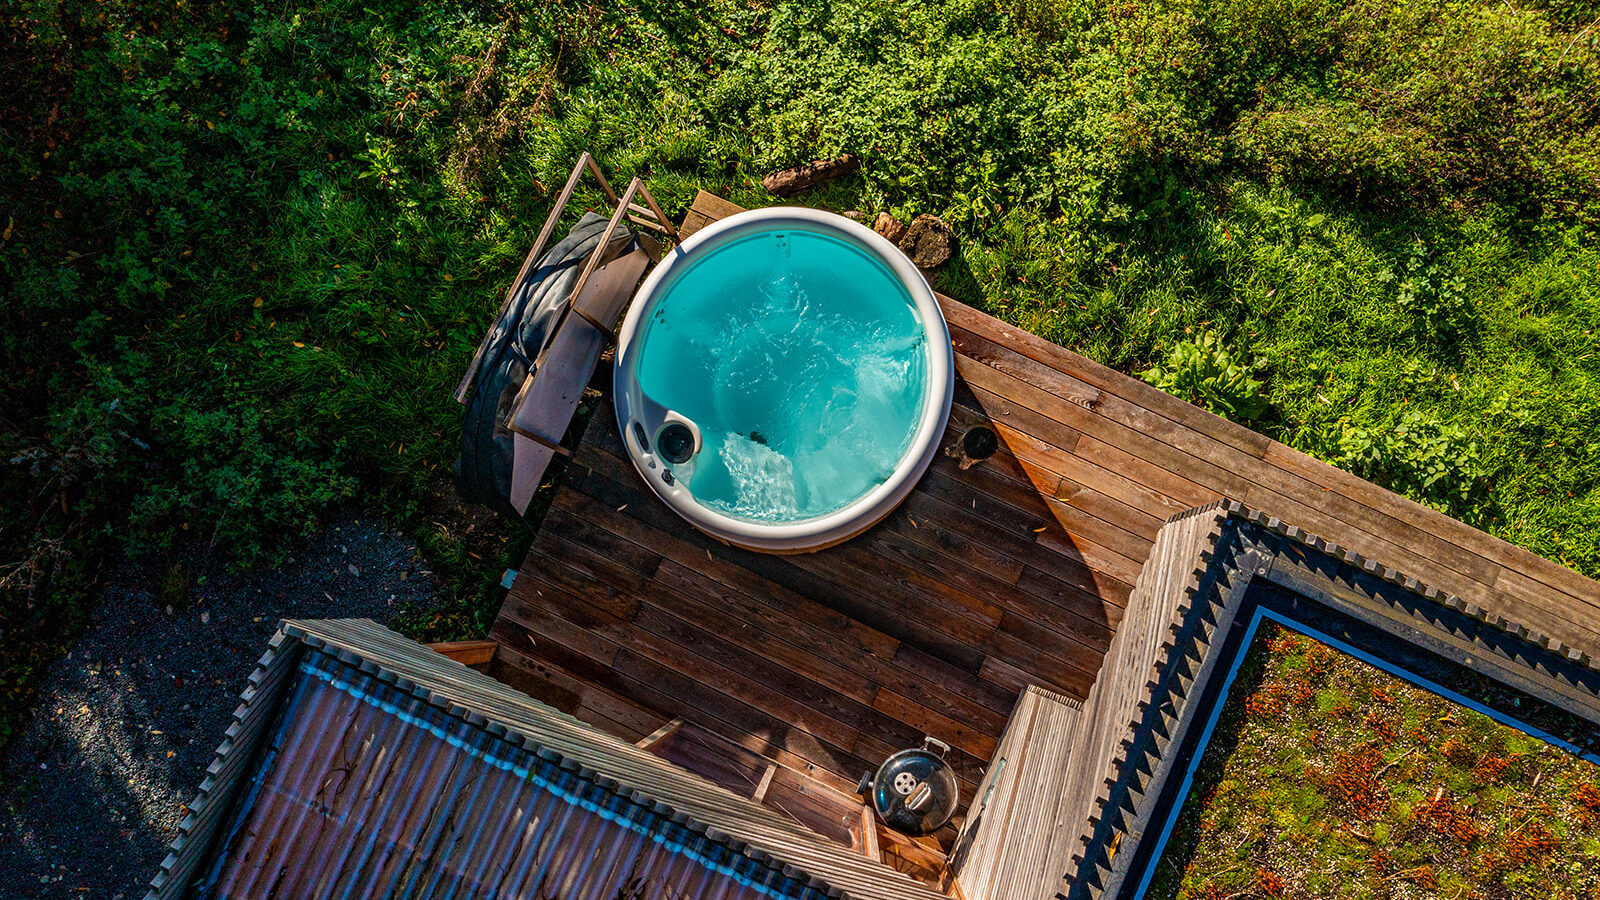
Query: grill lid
point(914, 791)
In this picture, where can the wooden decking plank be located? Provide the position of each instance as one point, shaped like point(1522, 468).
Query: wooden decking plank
point(889, 556)
point(1100, 612)
point(1102, 570)
point(670, 593)
point(996, 485)
point(1272, 487)
point(1517, 561)
point(935, 670)
point(747, 724)
point(1023, 644)
point(580, 630)
point(1108, 380)
point(1145, 504)
point(721, 664)
point(648, 659)
point(988, 382)
point(838, 628)
point(580, 577)
point(1003, 673)
point(877, 557)
point(934, 535)
point(1109, 451)
point(1057, 488)
point(978, 742)
point(857, 717)
point(873, 670)
point(1081, 641)
point(707, 208)
point(1271, 490)
point(1060, 478)
point(851, 592)
point(1413, 519)
point(949, 503)
point(597, 705)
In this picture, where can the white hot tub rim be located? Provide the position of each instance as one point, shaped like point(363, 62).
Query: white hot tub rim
point(853, 518)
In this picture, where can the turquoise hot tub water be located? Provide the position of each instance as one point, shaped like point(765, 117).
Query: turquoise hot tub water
point(803, 362)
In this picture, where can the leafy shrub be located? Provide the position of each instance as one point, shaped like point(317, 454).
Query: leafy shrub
point(1421, 456)
point(1432, 299)
point(250, 493)
point(1208, 374)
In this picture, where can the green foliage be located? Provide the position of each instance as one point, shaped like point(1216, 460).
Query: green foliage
point(1431, 298)
point(247, 248)
point(1431, 461)
point(1208, 374)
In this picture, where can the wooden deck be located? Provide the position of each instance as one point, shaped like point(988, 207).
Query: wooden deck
point(1012, 572)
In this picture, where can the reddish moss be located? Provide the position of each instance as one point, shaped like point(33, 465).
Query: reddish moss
point(1423, 877)
point(1489, 768)
point(1531, 844)
point(1383, 726)
point(1353, 782)
point(1458, 752)
point(1587, 797)
point(1266, 702)
point(1270, 883)
point(1443, 817)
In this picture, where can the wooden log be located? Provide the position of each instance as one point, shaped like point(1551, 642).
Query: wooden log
point(891, 228)
point(796, 179)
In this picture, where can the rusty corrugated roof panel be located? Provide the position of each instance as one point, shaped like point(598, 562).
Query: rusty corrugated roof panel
point(395, 771)
point(392, 796)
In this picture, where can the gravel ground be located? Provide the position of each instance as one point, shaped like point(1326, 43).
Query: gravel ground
point(127, 723)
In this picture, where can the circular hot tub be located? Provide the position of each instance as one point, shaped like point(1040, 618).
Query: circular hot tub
point(783, 378)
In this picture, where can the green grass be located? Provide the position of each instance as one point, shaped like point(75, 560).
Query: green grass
point(1329, 777)
point(247, 248)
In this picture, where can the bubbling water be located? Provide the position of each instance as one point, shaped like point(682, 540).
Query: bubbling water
point(805, 377)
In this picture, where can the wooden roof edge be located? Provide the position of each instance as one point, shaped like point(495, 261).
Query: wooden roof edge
point(1121, 809)
point(199, 830)
point(1369, 566)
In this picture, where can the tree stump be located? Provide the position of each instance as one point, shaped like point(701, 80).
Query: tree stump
point(928, 242)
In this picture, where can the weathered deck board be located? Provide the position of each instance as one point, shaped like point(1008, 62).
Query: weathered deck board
point(1012, 572)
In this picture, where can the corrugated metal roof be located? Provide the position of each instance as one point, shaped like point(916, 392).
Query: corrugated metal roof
point(368, 791)
point(395, 771)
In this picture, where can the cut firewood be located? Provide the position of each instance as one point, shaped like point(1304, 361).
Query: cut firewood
point(889, 227)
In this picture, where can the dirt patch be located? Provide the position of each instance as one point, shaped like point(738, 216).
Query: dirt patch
point(127, 722)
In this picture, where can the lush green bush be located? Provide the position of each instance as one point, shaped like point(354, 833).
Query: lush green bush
point(1206, 373)
point(1421, 456)
point(249, 247)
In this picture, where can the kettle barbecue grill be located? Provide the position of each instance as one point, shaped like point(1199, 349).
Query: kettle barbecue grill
point(914, 791)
